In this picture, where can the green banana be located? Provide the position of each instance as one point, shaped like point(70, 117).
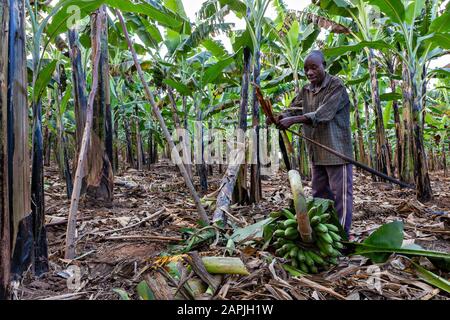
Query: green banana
point(280, 225)
point(290, 223)
point(335, 236)
point(275, 214)
point(321, 228)
point(325, 237)
point(338, 245)
point(332, 227)
point(309, 261)
point(317, 259)
point(293, 252)
point(325, 247)
point(301, 256)
point(314, 269)
point(303, 267)
point(288, 214)
point(334, 253)
point(325, 217)
point(279, 233)
point(288, 246)
point(315, 221)
point(291, 233)
point(312, 212)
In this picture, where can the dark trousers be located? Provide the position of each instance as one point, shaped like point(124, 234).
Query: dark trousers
point(335, 183)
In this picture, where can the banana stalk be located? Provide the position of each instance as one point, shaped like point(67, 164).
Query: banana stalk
point(301, 210)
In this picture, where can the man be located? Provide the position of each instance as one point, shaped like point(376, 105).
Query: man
point(323, 107)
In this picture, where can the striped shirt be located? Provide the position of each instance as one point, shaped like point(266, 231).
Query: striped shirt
point(328, 107)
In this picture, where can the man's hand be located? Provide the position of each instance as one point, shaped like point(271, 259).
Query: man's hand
point(277, 119)
point(285, 123)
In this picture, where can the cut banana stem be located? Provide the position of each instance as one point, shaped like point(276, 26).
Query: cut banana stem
point(304, 226)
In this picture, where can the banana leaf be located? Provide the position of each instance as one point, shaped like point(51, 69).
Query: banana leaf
point(432, 278)
point(251, 232)
point(388, 239)
point(394, 9)
point(43, 79)
point(144, 291)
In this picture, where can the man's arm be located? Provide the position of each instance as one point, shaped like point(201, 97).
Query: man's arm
point(294, 109)
point(287, 122)
point(332, 103)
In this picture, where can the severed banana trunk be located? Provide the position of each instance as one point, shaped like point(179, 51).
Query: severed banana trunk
point(301, 210)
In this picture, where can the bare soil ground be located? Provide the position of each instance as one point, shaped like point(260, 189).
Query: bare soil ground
point(117, 244)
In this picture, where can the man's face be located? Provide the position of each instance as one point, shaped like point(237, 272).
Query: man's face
point(314, 69)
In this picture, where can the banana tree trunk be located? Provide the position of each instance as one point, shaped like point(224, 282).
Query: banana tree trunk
point(116, 146)
point(151, 158)
point(255, 172)
point(383, 163)
point(369, 138)
point(79, 93)
point(210, 143)
point(5, 230)
point(16, 219)
point(37, 178)
point(47, 138)
point(70, 245)
point(138, 140)
point(407, 169)
point(62, 148)
point(422, 179)
point(177, 122)
point(79, 86)
point(355, 147)
point(201, 166)
point(241, 192)
point(37, 188)
point(398, 134)
point(100, 179)
point(431, 160)
point(413, 101)
point(284, 153)
point(360, 138)
point(444, 159)
point(130, 156)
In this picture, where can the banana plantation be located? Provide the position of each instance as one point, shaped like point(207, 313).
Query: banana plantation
point(148, 151)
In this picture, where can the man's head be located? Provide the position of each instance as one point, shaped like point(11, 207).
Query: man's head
point(315, 67)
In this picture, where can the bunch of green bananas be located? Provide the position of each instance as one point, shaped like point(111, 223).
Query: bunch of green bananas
point(309, 258)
